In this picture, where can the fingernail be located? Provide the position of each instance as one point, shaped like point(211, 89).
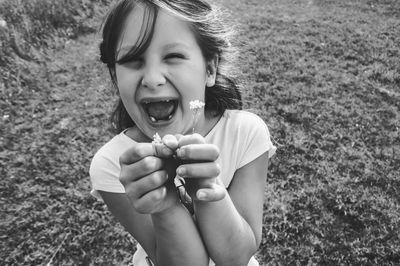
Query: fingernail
point(170, 141)
point(180, 152)
point(181, 171)
point(201, 195)
point(166, 151)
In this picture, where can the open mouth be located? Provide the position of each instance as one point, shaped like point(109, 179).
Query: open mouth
point(160, 111)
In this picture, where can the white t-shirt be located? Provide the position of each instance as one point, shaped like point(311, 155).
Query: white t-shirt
point(241, 137)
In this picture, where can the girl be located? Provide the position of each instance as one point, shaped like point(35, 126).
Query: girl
point(162, 55)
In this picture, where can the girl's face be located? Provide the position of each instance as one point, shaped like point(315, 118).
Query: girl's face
point(156, 88)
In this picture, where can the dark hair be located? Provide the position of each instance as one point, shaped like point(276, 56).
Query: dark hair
point(212, 36)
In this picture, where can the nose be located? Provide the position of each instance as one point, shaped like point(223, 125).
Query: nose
point(153, 77)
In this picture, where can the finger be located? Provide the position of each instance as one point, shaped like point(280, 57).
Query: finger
point(148, 203)
point(137, 152)
point(143, 167)
point(166, 148)
point(199, 170)
point(146, 184)
point(170, 141)
point(161, 150)
point(215, 193)
point(178, 136)
point(190, 139)
point(203, 152)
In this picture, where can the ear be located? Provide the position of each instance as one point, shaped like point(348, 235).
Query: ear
point(212, 66)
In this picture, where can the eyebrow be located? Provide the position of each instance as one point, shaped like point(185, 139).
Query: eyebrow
point(128, 48)
point(176, 44)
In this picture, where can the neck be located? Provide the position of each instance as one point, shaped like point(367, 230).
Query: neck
point(206, 123)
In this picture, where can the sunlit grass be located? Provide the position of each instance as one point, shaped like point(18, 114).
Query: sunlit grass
point(323, 74)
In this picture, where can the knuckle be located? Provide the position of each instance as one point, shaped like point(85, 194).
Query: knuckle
point(139, 150)
point(157, 195)
point(131, 192)
point(178, 137)
point(123, 178)
point(123, 159)
point(170, 139)
point(191, 139)
point(197, 138)
point(149, 163)
point(133, 202)
point(141, 206)
point(217, 169)
point(152, 180)
point(136, 205)
point(156, 179)
point(216, 150)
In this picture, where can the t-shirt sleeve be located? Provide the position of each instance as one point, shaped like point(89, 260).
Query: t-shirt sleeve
point(256, 139)
point(104, 174)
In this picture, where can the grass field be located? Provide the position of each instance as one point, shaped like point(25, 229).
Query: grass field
point(324, 75)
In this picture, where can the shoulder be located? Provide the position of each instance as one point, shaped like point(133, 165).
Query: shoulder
point(242, 116)
point(239, 125)
point(251, 133)
point(245, 121)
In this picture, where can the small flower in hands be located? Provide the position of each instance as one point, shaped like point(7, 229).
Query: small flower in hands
point(157, 139)
point(196, 106)
point(157, 144)
point(164, 147)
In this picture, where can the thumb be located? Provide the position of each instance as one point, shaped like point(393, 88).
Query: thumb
point(161, 150)
point(166, 147)
point(214, 193)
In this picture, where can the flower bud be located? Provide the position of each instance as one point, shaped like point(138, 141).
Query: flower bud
point(3, 23)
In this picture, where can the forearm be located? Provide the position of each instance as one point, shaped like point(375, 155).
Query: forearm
point(228, 237)
point(178, 241)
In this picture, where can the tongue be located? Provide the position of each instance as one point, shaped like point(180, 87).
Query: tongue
point(160, 110)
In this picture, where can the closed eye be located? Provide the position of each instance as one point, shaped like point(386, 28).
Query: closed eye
point(174, 56)
point(134, 63)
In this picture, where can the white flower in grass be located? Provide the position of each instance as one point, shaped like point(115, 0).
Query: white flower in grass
point(3, 23)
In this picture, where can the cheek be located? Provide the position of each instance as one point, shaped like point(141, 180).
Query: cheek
point(126, 81)
point(194, 77)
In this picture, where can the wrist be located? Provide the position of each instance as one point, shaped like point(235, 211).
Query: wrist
point(168, 212)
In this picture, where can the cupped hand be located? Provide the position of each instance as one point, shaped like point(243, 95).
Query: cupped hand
point(199, 167)
point(145, 178)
